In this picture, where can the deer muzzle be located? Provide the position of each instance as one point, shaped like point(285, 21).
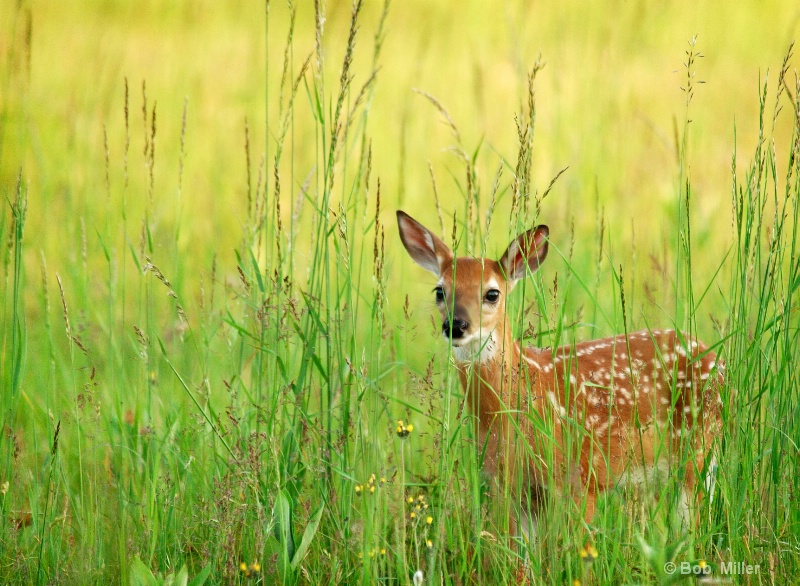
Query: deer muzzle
point(455, 328)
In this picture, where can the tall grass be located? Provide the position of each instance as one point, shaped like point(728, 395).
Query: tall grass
point(277, 413)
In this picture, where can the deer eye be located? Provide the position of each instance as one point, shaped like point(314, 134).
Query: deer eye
point(439, 294)
point(492, 295)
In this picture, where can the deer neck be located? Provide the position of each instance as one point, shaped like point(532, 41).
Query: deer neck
point(486, 369)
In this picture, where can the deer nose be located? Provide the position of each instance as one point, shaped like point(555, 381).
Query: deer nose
point(456, 329)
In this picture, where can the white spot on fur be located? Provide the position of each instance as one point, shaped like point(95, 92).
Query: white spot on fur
point(711, 478)
point(532, 361)
point(603, 427)
point(559, 408)
point(637, 475)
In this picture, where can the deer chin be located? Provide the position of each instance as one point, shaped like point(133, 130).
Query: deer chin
point(475, 348)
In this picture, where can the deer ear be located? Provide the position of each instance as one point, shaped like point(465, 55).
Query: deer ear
point(427, 250)
point(527, 250)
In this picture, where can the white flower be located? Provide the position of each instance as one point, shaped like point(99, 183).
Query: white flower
point(418, 578)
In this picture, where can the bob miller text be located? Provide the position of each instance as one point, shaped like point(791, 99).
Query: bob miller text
point(738, 568)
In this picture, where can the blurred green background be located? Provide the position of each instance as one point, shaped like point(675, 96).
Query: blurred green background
point(609, 104)
point(616, 103)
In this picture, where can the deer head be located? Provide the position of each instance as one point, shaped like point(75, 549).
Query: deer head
point(471, 292)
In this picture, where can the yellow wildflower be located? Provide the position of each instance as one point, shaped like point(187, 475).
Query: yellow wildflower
point(403, 430)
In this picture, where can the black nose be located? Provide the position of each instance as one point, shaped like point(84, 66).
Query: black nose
point(456, 330)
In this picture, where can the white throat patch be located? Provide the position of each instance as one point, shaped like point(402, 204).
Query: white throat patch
point(478, 349)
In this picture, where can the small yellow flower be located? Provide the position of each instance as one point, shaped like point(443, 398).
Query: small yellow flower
point(4, 487)
point(421, 498)
point(410, 500)
point(429, 520)
point(413, 515)
point(359, 488)
point(403, 430)
point(702, 564)
point(576, 583)
point(383, 481)
point(383, 551)
point(372, 489)
point(588, 553)
point(429, 543)
point(251, 570)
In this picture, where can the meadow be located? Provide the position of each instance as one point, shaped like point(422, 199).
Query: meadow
point(211, 332)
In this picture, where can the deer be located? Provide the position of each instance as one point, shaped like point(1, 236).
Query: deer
point(644, 403)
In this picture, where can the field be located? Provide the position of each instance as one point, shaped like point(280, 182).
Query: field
point(210, 329)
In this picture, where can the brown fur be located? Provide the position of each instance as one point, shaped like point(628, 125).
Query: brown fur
point(644, 402)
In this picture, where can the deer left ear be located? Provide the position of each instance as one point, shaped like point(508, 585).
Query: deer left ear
point(527, 250)
point(427, 250)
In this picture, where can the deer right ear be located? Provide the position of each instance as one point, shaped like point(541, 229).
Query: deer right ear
point(527, 251)
point(427, 250)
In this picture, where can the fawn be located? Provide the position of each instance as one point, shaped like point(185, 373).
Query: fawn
point(643, 403)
